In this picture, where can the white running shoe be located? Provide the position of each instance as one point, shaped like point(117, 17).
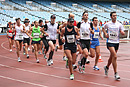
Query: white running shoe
point(117, 77)
point(72, 77)
point(64, 58)
point(106, 70)
point(51, 61)
point(28, 49)
point(27, 56)
point(40, 52)
point(95, 68)
point(10, 50)
point(37, 60)
point(48, 62)
point(19, 59)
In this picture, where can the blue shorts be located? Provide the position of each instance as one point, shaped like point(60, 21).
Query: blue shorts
point(94, 44)
point(35, 42)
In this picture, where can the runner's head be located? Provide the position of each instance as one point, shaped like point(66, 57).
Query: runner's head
point(40, 22)
point(113, 16)
point(95, 21)
point(26, 22)
point(70, 22)
point(18, 20)
point(71, 15)
point(85, 15)
point(53, 17)
point(36, 23)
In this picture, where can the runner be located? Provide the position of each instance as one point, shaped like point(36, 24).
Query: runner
point(70, 46)
point(37, 35)
point(95, 45)
point(18, 28)
point(85, 32)
point(113, 29)
point(10, 36)
point(26, 39)
point(52, 30)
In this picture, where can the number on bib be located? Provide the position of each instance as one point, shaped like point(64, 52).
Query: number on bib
point(84, 34)
point(70, 38)
point(96, 34)
point(113, 35)
point(10, 34)
point(20, 35)
point(36, 35)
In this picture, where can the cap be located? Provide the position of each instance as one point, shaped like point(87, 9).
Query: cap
point(70, 20)
point(26, 21)
point(53, 16)
point(64, 20)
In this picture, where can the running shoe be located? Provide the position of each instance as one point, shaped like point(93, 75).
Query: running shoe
point(67, 64)
point(106, 70)
point(10, 50)
point(83, 70)
point(40, 53)
point(117, 77)
point(51, 61)
point(48, 62)
point(56, 47)
point(37, 60)
point(27, 56)
point(87, 61)
point(72, 77)
point(28, 49)
point(13, 46)
point(64, 58)
point(80, 69)
point(45, 56)
point(95, 68)
point(19, 59)
point(43, 51)
point(74, 66)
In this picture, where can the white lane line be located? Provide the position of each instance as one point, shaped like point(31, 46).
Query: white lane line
point(22, 81)
point(60, 77)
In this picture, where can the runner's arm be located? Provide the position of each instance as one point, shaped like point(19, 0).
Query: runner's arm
point(100, 33)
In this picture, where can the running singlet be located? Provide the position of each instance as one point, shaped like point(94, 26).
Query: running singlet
point(19, 34)
point(27, 29)
point(95, 36)
point(70, 37)
point(10, 34)
point(36, 33)
point(84, 30)
point(113, 30)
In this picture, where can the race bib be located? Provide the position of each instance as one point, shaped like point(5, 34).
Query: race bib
point(36, 35)
point(20, 35)
point(84, 34)
point(70, 38)
point(10, 34)
point(113, 35)
point(96, 34)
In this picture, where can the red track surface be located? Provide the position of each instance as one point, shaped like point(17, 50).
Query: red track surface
point(30, 74)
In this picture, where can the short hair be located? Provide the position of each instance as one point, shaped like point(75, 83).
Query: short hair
point(84, 12)
point(17, 19)
point(112, 13)
point(40, 21)
point(94, 18)
point(35, 22)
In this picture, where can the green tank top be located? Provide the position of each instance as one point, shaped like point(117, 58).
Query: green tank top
point(36, 33)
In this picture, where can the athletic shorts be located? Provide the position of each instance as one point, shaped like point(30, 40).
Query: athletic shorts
point(26, 40)
point(94, 44)
point(71, 47)
point(20, 41)
point(54, 41)
point(60, 40)
point(11, 38)
point(85, 44)
point(35, 42)
point(115, 45)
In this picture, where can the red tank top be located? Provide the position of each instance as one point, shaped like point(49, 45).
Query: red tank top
point(75, 24)
point(10, 34)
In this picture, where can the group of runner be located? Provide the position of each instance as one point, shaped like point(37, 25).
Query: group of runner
point(78, 38)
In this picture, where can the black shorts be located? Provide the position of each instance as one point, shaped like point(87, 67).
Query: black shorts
point(26, 40)
point(71, 47)
point(85, 44)
point(60, 40)
point(20, 41)
point(35, 42)
point(115, 45)
point(54, 41)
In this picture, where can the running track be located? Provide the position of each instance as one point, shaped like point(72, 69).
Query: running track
point(30, 74)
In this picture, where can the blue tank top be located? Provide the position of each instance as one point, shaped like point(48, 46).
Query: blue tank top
point(95, 36)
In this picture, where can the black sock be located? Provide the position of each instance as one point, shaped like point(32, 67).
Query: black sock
point(83, 60)
point(107, 67)
point(50, 55)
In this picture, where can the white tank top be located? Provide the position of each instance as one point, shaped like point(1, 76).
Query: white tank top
point(27, 29)
point(84, 31)
point(19, 34)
